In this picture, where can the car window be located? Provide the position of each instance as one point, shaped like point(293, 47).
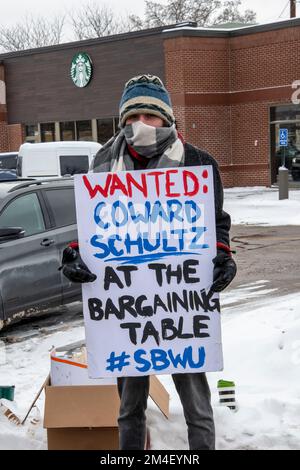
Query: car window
point(8, 162)
point(62, 204)
point(24, 211)
point(73, 164)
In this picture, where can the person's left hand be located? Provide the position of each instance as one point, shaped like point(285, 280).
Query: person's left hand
point(74, 268)
point(224, 271)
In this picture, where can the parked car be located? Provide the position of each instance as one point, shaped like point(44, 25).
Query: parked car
point(37, 221)
point(8, 160)
point(8, 175)
point(8, 164)
point(55, 159)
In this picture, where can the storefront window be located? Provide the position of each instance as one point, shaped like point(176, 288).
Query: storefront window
point(105, 128)
point(48, 132)
point(31, 133)
point(289, 112)
point(84, 130)
point(67, 130)
point(286, 117)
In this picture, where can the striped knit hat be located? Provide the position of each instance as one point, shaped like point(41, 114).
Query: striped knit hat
point(146, 94)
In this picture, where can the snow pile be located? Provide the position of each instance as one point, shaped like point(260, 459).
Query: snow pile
point(260, 206)
point(14, 437)
point(262, 356)
point(27, 366)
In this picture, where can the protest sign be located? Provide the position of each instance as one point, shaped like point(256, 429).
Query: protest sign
point(149, 236)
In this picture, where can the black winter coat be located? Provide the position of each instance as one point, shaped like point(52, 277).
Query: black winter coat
point(195, 157)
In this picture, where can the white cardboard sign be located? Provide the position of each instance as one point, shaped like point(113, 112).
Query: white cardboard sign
point(150, 238)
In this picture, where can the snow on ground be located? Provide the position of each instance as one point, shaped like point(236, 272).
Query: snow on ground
point(260, 206)
point(262, 355)
point(26, 366)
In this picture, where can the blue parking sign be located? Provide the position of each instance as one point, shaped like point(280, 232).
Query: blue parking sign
point(283, 137)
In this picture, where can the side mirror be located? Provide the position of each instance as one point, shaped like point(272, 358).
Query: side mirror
point(11, 233)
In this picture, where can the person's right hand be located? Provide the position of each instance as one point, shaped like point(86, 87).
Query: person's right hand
point(73, 267)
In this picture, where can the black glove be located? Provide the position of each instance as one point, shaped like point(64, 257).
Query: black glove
point(224, 271)
point(74, 268)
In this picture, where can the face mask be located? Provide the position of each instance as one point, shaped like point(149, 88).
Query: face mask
point(149, 141)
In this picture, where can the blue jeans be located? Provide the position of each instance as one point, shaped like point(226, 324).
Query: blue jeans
point(194, 394)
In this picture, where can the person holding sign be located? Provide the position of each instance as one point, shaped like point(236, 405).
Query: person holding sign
point(148, 140)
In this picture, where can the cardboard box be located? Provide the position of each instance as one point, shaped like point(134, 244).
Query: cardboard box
point(64, 372)
point(85, 417)
point(82, 413)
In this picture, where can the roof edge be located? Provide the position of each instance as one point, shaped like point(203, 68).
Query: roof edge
point(227, 33)
point(86, 42)
point(174, 30)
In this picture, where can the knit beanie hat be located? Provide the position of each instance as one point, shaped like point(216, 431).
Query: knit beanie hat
point(146, 94)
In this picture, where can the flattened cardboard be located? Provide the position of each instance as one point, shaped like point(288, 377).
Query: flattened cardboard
point(159, 395)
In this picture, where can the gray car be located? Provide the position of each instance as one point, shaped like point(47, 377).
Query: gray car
point(37, 221)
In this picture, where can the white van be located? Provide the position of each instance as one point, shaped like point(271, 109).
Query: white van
point(55, 159)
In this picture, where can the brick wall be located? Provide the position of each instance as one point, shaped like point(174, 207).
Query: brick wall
point(194, 64)
point(209, 129)
point(11, 136)
point(265, 59)
point(222, 89)
point(16, 136)
point(4, 140)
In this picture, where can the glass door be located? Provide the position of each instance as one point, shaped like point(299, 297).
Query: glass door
point(285, 117)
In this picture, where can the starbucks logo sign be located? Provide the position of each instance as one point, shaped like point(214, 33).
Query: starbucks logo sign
point(81, 69)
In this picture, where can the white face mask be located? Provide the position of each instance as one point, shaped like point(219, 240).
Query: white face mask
point(140, 134)
point(148, 140)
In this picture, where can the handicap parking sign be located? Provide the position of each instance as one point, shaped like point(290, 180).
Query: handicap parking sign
point(283, 137)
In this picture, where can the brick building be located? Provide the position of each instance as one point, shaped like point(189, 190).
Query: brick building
point(231, 91)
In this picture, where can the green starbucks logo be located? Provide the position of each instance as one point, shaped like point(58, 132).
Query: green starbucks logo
point(81, 69)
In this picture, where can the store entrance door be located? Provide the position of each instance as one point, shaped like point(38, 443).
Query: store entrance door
point(290, 154)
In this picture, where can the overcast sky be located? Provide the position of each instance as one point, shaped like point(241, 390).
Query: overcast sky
point(12, 11)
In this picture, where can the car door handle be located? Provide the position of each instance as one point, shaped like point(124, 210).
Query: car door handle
point(47, 242)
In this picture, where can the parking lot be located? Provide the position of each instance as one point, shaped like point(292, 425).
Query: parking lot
point(270, 253)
